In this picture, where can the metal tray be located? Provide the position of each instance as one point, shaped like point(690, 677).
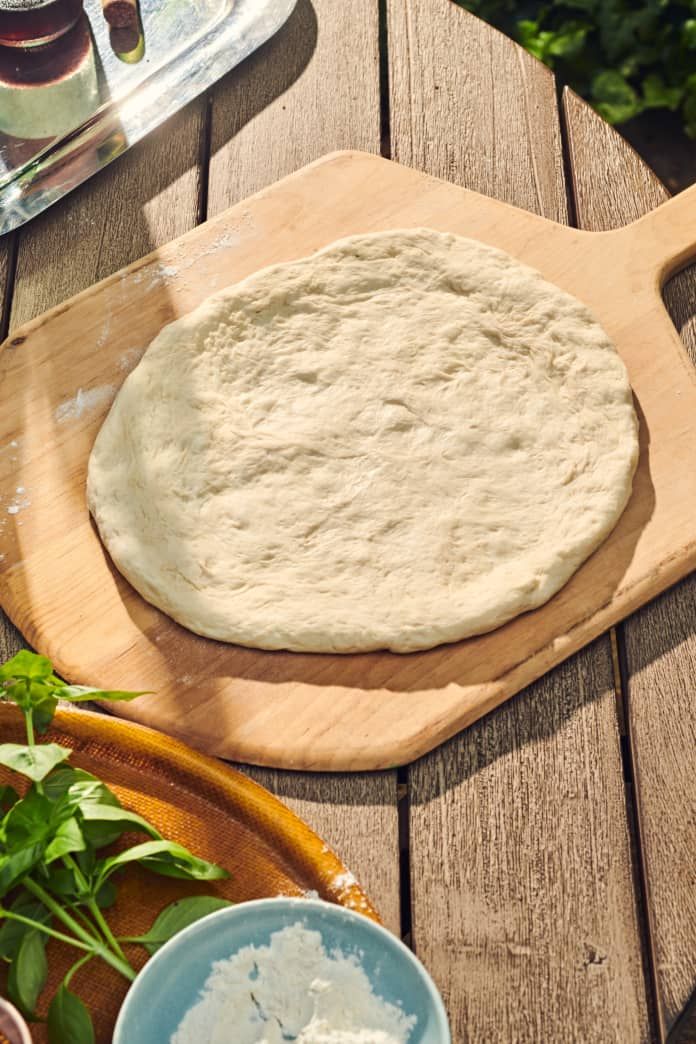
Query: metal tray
point(62, 132)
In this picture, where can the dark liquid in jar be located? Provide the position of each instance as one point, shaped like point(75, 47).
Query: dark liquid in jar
point(28, 23)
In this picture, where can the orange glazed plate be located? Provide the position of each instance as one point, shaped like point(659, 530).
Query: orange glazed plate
point(215, 811)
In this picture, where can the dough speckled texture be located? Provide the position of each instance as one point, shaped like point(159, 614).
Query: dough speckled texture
point(403, 440)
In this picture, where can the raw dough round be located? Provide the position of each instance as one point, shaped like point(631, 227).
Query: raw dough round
point(403, 440)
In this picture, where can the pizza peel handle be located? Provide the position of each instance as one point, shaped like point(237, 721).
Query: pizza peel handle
point(664, 240)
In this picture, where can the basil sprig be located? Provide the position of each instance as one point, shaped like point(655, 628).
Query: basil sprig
point(56, 880)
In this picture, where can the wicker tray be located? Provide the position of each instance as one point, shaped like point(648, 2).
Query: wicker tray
point(217, 812)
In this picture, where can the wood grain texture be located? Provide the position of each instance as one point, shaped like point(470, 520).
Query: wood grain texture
point(357, 816)
point(467, 106)
point(660, 640)
point(522, 888)
point(522, 893)
point(304, 711)
point(311, 89)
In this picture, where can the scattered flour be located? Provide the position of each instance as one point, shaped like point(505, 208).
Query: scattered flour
point(344, 882)
point(161, 274)
point(19, 502)
point(129, 358)
point(83, 401)
point(291, 990)
point(104, 335)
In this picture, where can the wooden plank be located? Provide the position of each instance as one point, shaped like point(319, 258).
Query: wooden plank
point(467, 106)
point(141, 201)
point(356, 815)
point(313, 88)
point(660, 640)
point(305, 93)
point(522, 893)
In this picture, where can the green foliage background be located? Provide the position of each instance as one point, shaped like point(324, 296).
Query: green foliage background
point(623, 57)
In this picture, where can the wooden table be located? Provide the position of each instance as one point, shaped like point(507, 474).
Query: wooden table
point(542, 864)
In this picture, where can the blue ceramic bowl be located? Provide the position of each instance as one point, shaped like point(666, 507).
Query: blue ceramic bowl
point(172, 980)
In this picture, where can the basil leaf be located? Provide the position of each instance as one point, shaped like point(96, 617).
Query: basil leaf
point(33, 762)
point(166, 858)
point(60, 881)
point(26, 665)
point(87, 861)
point(78, 693)
point(106, 896)
point(29, 819)
point(81, 787)
point(8, 798)
point(16, 865)
point(12, 932)
point(43, 708)
point(27, 975)
point(177, 916)
point(67, 838)
point(110, 814)
point(69, 1022)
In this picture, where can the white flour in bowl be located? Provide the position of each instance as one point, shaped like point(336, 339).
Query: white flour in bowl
point(291, 990)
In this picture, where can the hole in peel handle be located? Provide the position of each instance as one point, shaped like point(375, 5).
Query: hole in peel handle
point(666, 237)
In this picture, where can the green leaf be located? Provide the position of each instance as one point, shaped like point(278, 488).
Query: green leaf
point(103, 824)
point(81, 787)
point(78, 693)
point(27, 975)
point(112, 814)
point(8, 797)
point(106, 896)
point(43, 707)
point(26, 830)
point(26, 665)
point(535, 40)
point(67, 838)
point(689, 33)
point(61, 881)
point(657, 95)
point(614, 97)
point(569, 41)
point(33, 762)
point(15, 866)
point(177, 916)
point(166, 858)
point(69, 1021)
point(12, 932)
point(29, 820)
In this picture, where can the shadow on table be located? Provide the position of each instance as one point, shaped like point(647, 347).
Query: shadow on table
point(267, 74)
point(555, 703)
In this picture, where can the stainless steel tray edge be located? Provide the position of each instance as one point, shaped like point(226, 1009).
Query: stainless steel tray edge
point(120, 123)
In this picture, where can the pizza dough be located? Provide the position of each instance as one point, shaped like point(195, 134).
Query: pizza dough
point(405, 439)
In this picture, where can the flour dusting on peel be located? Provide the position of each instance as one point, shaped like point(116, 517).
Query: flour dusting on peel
point(84, 401)
point(291, 990)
